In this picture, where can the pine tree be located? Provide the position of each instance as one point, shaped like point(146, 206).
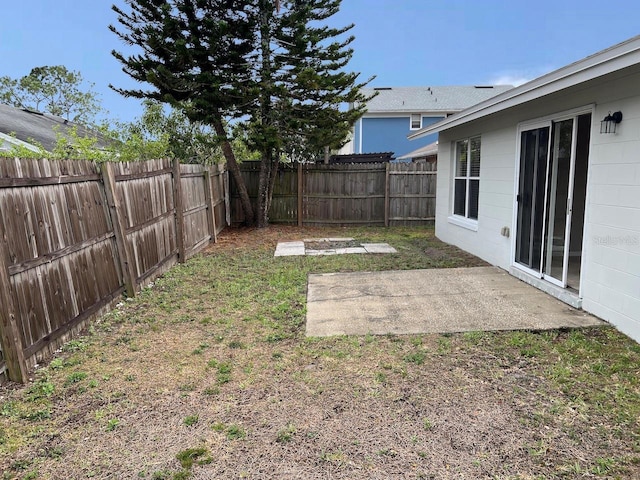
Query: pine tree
point(271, 64)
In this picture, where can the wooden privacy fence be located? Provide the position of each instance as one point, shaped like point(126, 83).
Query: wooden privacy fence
point(74, 236)
point(389, 194)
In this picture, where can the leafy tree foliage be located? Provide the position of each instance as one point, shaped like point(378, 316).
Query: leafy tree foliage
point(52, 89)
point(156, 134)
point(276, 66)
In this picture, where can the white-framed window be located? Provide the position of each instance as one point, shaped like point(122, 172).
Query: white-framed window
point(466, 183)
point(416, 121)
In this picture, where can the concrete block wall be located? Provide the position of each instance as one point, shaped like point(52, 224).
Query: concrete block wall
point(611, 279)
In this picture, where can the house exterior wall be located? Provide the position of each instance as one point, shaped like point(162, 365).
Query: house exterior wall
point(375, 134)
point(610, 279)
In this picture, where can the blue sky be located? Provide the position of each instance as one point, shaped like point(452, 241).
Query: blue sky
point(402, 42)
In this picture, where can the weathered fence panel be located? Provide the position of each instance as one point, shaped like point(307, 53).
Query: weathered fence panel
point(195, 208)
point(60, 245)
point(346, 194)
point(412, 193)
point(146, 194)
point(74, 237)
point(218, 179)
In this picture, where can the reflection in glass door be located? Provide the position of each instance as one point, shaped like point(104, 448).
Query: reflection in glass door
point(552, 184)
point(533, 171)
point(558, 211)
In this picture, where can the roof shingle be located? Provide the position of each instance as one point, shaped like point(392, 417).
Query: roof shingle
point(429, 99)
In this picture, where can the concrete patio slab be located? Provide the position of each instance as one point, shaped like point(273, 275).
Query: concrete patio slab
point(432, 301)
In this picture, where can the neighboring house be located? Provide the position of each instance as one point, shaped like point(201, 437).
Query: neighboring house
point(396, 112)
point(22, 127)
point(531, 181)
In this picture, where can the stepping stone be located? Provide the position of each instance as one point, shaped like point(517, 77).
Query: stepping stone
point(289, 249)
point(379, 248)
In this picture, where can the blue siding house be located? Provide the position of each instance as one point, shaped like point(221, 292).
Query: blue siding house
point(396, 112)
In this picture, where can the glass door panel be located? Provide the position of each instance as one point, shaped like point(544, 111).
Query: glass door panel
point(534, 149)
point(558, 193)
point(551, 199)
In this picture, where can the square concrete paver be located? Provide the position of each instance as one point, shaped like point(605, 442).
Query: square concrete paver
point(288, 249)
point(432, 301)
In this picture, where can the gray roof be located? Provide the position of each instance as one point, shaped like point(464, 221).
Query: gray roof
point(430, 99)
point(38, 128)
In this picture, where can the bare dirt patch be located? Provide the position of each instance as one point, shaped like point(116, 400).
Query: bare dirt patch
point(331, 244)
point(212, 364)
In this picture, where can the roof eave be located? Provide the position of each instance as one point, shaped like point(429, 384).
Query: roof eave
point(615, 58)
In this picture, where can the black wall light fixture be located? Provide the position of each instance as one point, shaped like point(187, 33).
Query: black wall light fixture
point(610, 122)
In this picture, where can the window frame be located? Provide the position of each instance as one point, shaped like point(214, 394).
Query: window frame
point(468, 178)
point(411, 117)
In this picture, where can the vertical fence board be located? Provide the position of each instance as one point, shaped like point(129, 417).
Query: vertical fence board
point(124, 252)
point(10, 340)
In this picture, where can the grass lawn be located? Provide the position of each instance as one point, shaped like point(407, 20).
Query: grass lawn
point(208, 375)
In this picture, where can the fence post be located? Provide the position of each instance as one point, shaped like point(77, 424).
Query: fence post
point(208, 192)
point(227, 195)
point(177, 202)
point(300, 196)
point(124, 253)
point(387, 198)
point(12, 348)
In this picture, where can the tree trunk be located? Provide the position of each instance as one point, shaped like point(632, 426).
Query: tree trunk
point(262, 207)
point(272, 180)
point(266, 165)
point(229, 156)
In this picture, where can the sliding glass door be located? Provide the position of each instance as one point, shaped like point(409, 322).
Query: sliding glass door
point(549, 154)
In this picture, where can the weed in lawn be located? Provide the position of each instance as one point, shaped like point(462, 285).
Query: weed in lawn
point(36, 414)
point(224, 373)
point(428, 425)
point(388, 452)
point(418, 357)
point(75, 377)
point(56, 363)
point(210, 391)
point(286, 434)
point(236, 344)
point(337, 457)
point(538, 449)
point(75, 346)
point(188, 458)
point(444, 345)
point(218, 427)
point(190, 420)
point(40, 389)
point(112, 424)
point(200, 349)
point(235, 432)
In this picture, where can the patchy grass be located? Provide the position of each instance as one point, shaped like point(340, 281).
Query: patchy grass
point(208, 375)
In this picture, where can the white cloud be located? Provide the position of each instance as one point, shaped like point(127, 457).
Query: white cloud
point(517, 78)
point(507, 79)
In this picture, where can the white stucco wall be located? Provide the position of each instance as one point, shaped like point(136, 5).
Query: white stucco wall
point(611, 249)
